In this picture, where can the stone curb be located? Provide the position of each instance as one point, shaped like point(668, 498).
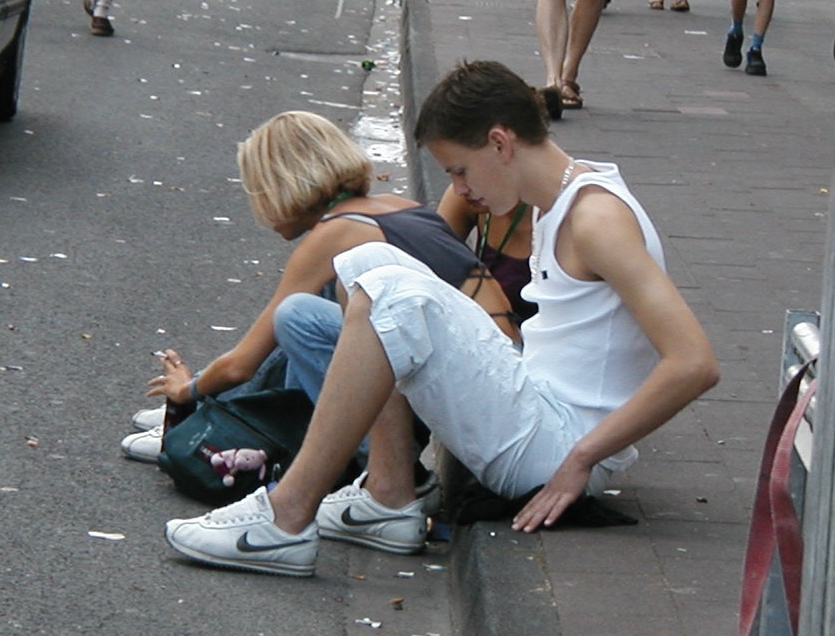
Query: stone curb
point(419, 74)
point(499, 584)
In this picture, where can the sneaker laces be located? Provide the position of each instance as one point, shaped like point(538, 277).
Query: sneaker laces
point(355, 489)
point(351, 491)
point(249, 507)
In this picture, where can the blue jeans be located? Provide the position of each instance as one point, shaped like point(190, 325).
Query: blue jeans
point(307, 326)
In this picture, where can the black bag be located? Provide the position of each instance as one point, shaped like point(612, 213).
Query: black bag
point(274, 420)
point(480, 504)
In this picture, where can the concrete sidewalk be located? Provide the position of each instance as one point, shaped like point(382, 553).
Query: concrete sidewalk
point(735, 171)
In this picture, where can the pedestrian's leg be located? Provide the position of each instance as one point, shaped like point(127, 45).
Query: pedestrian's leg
point(738, 8)
point(765, 8)
point(102, 8)
point(732, 55)
point(552, 29)
point(584, 19)
point(99, 10)
point(756, 64)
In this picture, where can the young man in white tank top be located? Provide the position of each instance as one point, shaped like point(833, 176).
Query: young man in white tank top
point(612, 355)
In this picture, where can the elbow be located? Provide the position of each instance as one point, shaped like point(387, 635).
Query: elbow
point(704, 373)
point(231, 371)
point(710, 378)
point(238, 375)
point(696, 371)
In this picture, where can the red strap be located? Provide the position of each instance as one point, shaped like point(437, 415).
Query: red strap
point(774, 521)
point(783, 514)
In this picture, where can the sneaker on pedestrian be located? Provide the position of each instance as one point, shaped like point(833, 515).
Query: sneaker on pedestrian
point(756, 64)
point(146, 419)
point(101, 26)
point(244, 536)
point(352, 514)
point(732, 57)
point(145, 446)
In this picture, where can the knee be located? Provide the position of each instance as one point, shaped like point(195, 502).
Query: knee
point(306, 318)
point(291, 315)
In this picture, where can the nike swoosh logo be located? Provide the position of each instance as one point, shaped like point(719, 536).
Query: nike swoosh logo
point(348, 520)
point(245, 546)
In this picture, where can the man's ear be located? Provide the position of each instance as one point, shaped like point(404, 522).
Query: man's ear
point(502, 139)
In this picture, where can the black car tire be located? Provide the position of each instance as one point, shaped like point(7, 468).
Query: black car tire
point(10, 75)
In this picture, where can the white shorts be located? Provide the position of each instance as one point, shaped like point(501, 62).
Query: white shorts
point(462, 376)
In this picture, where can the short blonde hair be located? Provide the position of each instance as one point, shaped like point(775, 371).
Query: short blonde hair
point(296, 163)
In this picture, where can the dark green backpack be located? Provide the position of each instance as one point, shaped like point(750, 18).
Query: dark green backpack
point(273, 420)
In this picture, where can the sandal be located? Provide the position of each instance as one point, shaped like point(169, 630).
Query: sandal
point(680, 5)
point(570, 95)
point(656, 4)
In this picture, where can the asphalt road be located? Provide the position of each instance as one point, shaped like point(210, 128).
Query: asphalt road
point(123, 229)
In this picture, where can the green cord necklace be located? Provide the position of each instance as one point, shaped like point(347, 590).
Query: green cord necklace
point(339, 198)
point(518, 213)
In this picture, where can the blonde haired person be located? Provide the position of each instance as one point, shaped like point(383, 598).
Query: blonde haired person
point(305, 176)
point(297, 164)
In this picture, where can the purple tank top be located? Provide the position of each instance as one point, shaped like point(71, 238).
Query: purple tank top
point(512, 274)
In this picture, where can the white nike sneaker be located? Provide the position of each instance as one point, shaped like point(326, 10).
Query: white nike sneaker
point(143, 447)
point(243, 536)
point(352, 514)
point(146, 419)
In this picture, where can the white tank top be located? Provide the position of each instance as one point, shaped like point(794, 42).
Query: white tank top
point(583, 343)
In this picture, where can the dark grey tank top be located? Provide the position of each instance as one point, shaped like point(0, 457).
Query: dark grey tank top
point(424, 235)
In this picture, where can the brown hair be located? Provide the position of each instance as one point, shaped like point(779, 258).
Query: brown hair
point(473, 98)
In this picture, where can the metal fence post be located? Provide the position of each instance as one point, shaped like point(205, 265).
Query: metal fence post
point(817, 612)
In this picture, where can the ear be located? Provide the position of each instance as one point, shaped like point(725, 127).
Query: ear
point(502, 139)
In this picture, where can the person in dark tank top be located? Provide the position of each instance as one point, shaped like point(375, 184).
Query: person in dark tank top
point(320, 194)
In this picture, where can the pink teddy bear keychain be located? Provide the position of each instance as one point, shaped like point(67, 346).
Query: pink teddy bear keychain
point(230, 462)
